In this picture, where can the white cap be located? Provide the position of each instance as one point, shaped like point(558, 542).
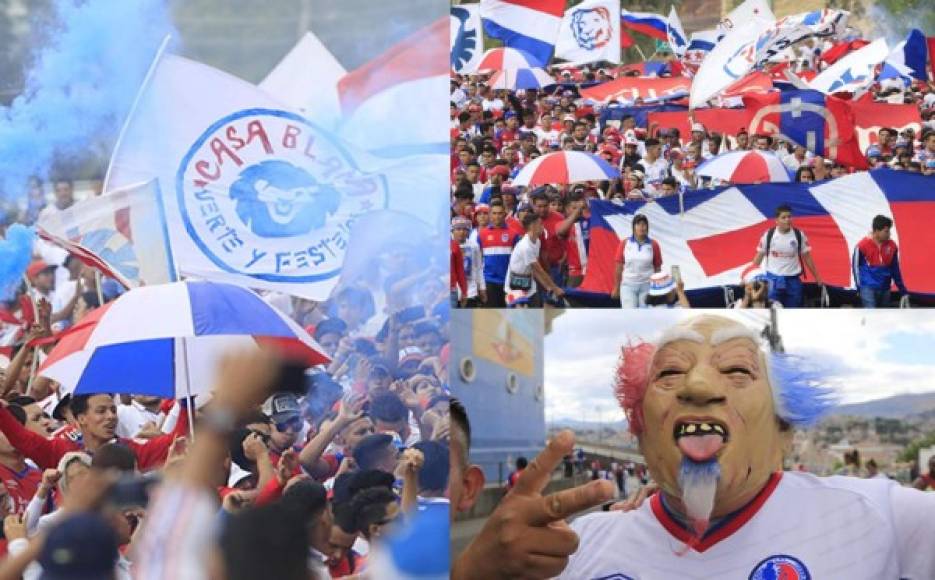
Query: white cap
point(697, 127)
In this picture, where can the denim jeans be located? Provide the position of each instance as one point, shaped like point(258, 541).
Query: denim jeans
point(874, 297)
point(634, 295)
point(787, 290)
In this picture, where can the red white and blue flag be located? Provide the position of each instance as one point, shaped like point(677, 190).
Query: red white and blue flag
point(821, 123)
point(717, 234)
point(529, 25)
point(123, 234)
point(648, 23)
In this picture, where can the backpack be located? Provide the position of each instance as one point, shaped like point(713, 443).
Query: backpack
point(798, 245)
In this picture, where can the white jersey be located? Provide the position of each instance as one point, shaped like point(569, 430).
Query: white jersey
point(473, 268)
point(525, 254)
point(783, 257)
point(800, 527)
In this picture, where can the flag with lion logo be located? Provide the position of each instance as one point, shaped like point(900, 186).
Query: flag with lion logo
point(590, 32)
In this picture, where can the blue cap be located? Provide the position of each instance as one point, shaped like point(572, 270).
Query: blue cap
point(81, 547)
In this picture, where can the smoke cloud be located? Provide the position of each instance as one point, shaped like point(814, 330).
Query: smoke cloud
point(80, 88)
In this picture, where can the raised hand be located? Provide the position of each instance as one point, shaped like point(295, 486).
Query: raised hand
point(526, 536)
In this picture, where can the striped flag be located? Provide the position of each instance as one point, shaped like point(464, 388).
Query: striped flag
point(648, 23)
point(528, 25)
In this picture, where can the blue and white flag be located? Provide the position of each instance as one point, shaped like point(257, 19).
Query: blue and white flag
point(699, 45)
point(677, 39)
point(590, 32)
point(467, 37)
point(730, 60)
point(908, 58)
point(255, 193)
point(854, 72)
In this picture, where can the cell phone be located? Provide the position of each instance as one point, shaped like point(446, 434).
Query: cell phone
point(676, 274)
point(291, 378)
point(133, 490)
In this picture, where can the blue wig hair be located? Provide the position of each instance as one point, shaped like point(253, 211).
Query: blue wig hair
point(799, 392)
point(15, 255)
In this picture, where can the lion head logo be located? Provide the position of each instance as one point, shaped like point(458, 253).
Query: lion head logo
point(276, 199)
point(592, 28)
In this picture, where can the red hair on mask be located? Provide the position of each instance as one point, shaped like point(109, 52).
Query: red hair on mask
point(631, 380)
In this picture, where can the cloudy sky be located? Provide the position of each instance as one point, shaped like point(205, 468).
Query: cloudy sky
point(874, 354)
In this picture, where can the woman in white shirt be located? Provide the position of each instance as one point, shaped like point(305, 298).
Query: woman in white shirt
point(638, 258)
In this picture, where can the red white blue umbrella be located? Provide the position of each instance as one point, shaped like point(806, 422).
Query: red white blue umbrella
point(521, 78)
point(565, 167)
point(505, 58)
point(152, 339)
point(745, 167)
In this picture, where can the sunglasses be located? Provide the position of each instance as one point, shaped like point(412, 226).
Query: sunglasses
point(295, 424)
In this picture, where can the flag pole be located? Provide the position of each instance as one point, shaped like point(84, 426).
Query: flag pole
point(136, 102)
point(639, 50)
point(35, 314)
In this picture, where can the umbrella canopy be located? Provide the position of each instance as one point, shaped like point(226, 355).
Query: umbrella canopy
point(565, 167)
point(745, 167)
point(505, 58)
point(153, 339)
point(521, 78)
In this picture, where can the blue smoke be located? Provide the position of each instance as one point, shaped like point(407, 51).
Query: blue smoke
point(81, 87)
point(15, 255)
point(798, 390)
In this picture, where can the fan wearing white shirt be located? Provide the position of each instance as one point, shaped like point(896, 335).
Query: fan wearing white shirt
point(714, 412)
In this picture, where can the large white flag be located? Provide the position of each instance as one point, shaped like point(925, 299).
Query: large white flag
point(255, 193)
point(306, 79)
point(467, 37)
point(746, 12)
point(122, 233)
point(590, 32)
point(853, 72)
point(731, 59)
point(773, 45)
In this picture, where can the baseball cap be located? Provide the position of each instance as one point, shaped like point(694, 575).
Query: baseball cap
point(330, 326)
point(282, 407)
point(482, 208)
point(631, 141)
point(460, 223)
point(37, 268)
point(568, 118)
point(81, 547)
point(874, 151)
point(660, 284)
point(697, 127)
point(499, 170)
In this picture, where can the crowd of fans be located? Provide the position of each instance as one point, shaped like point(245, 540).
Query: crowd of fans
point(495, 133)
point(271, 483)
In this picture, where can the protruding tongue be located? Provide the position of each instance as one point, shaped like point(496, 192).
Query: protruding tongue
point(700, 447)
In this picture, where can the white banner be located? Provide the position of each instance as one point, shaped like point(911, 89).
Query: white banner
point(853, 72)
point(467, 37)
point(590, 32)
point(788, 31)
point(255, 193)
point(746, 12)
point(730, 60)
point(306, 79)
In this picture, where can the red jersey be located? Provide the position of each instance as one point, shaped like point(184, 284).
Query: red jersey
point(46, 453)
point(553, 246)
point(21, 485)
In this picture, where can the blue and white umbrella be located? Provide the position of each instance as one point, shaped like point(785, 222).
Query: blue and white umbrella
point(521, 78)
point(166, 340)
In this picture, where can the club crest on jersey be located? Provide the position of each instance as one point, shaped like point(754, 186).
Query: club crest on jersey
point(505, 237)
point(592, 28)
point(268, 194)
point(780, 567)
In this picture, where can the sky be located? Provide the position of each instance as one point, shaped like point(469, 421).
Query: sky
point(872, 354)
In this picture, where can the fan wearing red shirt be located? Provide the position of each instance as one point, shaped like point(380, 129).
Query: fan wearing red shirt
point(20, 480)
point(556, 228)
point(96, 416)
